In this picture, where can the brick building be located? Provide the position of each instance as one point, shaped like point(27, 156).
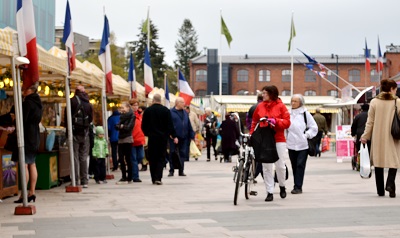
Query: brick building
point(244, 75)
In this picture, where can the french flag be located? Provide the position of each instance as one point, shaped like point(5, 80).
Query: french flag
point(27, 41)
point(167, 101)
point(148, 73)
point(379, 61)
point(132, 77)
point(105, 56)
point(68, 39)
point(185, 91)
point(367, 62)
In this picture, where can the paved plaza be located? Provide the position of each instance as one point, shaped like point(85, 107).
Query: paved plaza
point(335, 202)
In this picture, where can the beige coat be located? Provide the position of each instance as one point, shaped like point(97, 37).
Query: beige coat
point(385, 151)
point(194, 121)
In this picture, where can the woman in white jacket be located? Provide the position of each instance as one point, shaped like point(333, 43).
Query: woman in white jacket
point(296, 141)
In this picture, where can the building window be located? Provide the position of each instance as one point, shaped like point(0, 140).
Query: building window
point(243, 75)
point(286, 75)
point(310, 76)
point(201, 75)
point(264, 76)
point(285, 93)
point(201, 93)
point(354, 75)
point(333, 93)
point(331, 76)
point(374, 76)
point(310, 93)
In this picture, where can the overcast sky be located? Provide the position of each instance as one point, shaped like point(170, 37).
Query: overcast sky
point(258, 27)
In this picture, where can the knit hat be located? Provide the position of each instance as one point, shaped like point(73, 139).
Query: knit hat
point(99, 130)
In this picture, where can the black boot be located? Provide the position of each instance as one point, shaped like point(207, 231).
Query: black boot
point(390, 182)
point(283, 192)
point(270, 197)
point(379, 181)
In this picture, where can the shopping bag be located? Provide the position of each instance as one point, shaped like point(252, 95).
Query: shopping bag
point(194, 151)
point(365, 163)
point(325, 144)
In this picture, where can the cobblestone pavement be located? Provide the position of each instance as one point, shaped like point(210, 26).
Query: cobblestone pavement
point(335, 202)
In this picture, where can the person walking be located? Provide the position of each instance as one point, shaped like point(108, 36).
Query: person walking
point(322, 128)
point(125, 127)
point(113, 136)
point(385, 151)
point(138, 141)
point(249, 120)
point(32, 111)
point(158, 127)
point(302, 127)
point(184, 133)
point(210, 125)
point(100, 153)
point(195, 123)
point(229, 132)
point(358, 126)
point(278, 117)
point(82, 116)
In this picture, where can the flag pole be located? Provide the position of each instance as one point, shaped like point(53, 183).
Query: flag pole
point(342, 78)
point(220, 59)
point(291, 63)
point(148, 29)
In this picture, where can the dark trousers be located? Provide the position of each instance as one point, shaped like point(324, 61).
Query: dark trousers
point(318, 138)
point(100, 169)
point(211, 141)
point(298, 160)
point(114, 154)
point(379, 180)
point(183, 154)
point(124, 153)
point(157, 148)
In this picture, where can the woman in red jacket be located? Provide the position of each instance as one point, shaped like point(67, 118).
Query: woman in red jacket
point(279, 118)
point(138, 141)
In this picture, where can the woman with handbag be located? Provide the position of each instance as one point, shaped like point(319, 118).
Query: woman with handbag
point(278, 118)
point(302, 127)
point(385, 150)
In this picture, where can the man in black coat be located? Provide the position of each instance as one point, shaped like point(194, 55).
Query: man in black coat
point(358, 126)
point(80, 134)
point(158, 127)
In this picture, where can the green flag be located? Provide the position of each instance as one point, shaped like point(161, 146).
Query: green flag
point(292, 33)
point(146, 25)
point(225, 31)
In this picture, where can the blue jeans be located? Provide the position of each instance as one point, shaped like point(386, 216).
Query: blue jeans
point(298, 160)
point(137, 156)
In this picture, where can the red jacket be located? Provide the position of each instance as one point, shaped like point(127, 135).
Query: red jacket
point(272, 109)
point(137, 133)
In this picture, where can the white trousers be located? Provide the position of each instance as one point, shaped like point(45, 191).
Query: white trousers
point(268, 169)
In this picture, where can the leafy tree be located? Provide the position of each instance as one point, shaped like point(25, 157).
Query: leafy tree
point(156, 56)
point(186, 47)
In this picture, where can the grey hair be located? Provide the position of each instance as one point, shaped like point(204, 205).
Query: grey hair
point(299, 96)
point(208, 109)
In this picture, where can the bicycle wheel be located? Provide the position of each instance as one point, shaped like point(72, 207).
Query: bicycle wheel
point(239, 181)
point(249, 179)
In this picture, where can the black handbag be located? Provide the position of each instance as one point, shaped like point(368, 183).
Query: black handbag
point(395, 124)
point(264, 145)
point(175, 158)
point(11, 142)
point(312, 143)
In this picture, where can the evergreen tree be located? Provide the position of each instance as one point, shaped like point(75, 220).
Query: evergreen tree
point(186, 47)
point(156, 56)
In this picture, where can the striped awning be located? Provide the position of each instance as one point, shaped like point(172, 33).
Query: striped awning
point(242, 107)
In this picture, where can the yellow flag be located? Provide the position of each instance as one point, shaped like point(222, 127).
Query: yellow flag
point(292, 33)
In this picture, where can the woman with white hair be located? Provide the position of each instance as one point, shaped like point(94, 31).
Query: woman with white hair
point(302, 127)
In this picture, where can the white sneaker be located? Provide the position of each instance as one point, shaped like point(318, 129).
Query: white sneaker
point(85, 186)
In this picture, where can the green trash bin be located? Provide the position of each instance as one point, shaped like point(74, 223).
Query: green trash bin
point(47, 168)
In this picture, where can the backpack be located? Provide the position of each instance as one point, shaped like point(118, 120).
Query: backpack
point(80, 120)
point(312, 143)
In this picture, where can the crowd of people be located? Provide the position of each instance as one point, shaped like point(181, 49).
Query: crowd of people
point(163, 136)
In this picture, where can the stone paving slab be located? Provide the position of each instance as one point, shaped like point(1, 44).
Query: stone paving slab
point(335, 202)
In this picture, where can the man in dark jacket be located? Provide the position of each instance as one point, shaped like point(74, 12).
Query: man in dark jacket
point(185, 134)
point(113, 135)
point(157, 126)
point(80, 134)
point(210, 124)
point(358, 126)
